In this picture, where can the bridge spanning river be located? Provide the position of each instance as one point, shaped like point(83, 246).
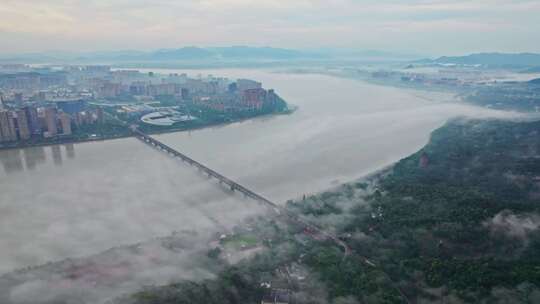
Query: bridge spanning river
point(234, 186)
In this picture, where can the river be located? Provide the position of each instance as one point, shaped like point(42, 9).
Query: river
point(80, 199)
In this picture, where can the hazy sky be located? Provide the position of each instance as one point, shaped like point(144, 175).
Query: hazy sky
point(427, 26)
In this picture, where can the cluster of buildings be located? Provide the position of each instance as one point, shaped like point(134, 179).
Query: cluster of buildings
point(20, 84)
point(464, 77)
point(47, 102)
point(425, 79)
point(244, 94)
point(105, 83)
point(34, 123)
point(24, 123)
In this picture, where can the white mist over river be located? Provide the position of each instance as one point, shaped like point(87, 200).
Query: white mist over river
point(76, 200)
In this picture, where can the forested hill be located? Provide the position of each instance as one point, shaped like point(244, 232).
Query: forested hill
point(464, 213)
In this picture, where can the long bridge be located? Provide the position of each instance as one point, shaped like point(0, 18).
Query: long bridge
point(234, 186)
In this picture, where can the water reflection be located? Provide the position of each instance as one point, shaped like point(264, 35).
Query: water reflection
point(57, 155)
point(29, 159)
point(15, 160)
point(39, 153)
point(11, 161)
point(70, 150)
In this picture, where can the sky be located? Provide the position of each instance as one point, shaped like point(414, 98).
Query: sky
point(441, 27)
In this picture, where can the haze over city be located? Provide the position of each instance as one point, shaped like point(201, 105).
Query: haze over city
point(432, 27)
point(269, 151)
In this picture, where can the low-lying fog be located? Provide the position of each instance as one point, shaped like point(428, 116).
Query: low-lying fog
point(77, 200)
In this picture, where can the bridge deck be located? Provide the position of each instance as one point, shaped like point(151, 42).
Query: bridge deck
point(237, 187)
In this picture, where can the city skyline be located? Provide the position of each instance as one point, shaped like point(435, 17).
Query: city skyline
point(435, 27)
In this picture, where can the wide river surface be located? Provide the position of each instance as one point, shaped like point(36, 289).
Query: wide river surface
point(80, 199)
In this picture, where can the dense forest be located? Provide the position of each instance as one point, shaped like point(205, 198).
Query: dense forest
point(457, 222)
point(461, 215)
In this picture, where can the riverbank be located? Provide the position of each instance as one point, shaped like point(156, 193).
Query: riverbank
point(97, 138)
point(220, 124)
point(60, 142)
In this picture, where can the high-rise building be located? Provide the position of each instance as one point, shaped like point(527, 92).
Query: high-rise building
point(138, 88)
point(65, 121)
point(247, 84)
point(50, 121)
point(18, 97)
point(33, 120)
point(42, 96)
point(184, 92)
point(100, 116)
point(22, 125)
point(109, 90)
point(2, 127)
point(7, 126)
point(232, 87)
point(254, 98)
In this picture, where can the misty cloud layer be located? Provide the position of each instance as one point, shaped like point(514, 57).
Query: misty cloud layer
point(514, 225)
point(115, 192)
point(120, 270)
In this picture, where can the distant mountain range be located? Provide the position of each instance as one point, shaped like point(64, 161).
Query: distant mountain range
point(214, 53)
point(518, 60)
point(210, 54)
